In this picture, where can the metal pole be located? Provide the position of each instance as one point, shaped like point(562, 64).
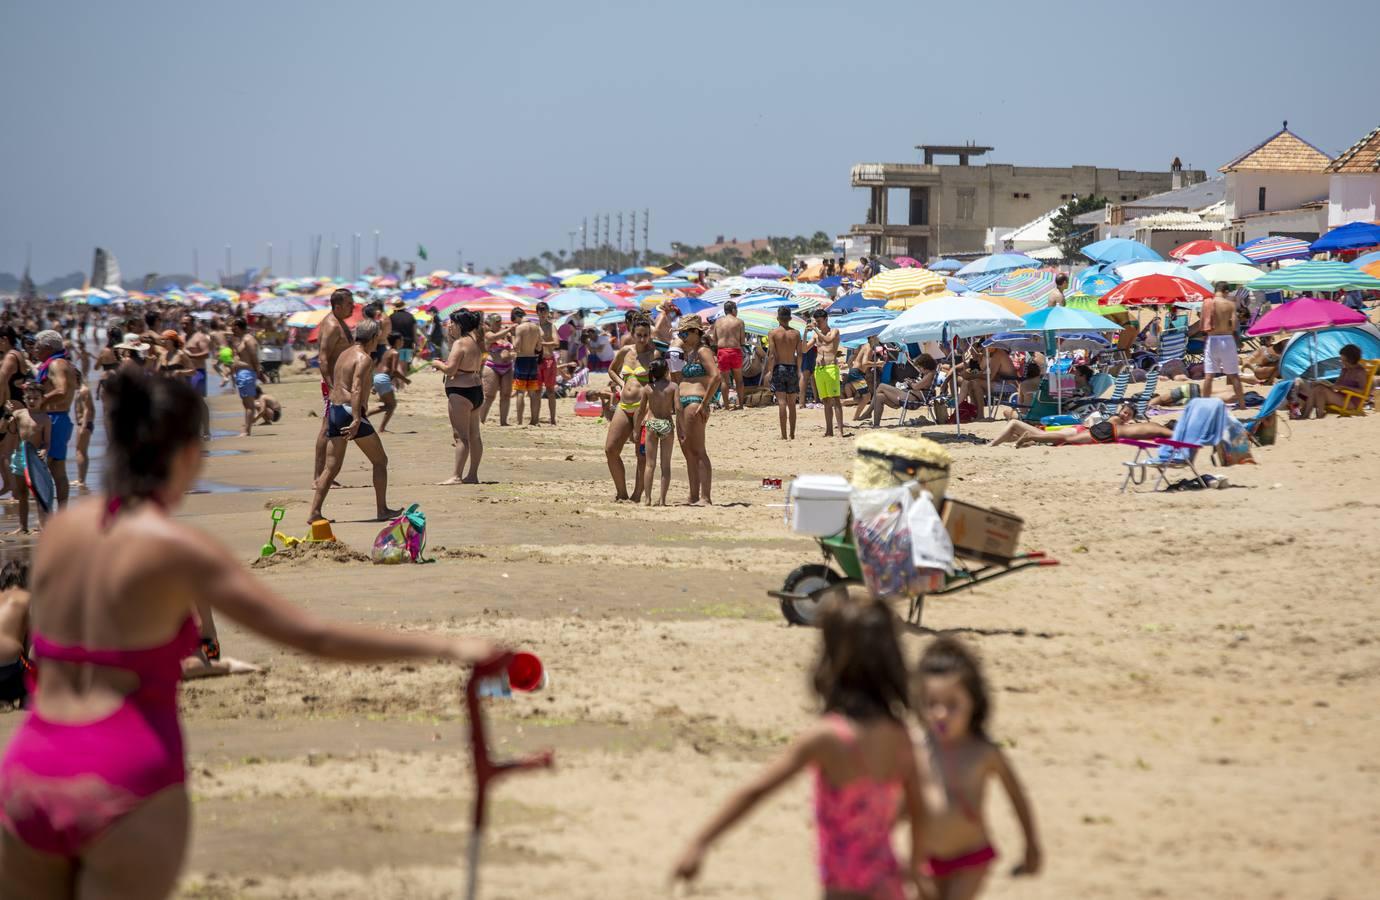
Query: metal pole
point(270, 257)
point(227, 262)
point(196, 266)
point(632, 236)
point(646, 223)
point(289, 262)
point(376, 248)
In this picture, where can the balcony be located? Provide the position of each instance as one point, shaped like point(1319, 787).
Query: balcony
point(868, 229)
point(894, 175)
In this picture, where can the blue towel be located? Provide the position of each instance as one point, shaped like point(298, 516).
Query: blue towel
point(1205, 422)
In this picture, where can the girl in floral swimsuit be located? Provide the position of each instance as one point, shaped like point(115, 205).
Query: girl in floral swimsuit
point(862, 757)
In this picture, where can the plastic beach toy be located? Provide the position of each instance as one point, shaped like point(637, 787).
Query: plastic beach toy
point(269, 549)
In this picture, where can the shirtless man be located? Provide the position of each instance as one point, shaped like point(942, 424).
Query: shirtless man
point(546, 369)
point(527, 352)
point(59, 381)
point(825, 339)
point(664, 328)
point(729, 334)
point(1220, 355)
point(245, 370)
point(783, 362)
point(352, 379)
point(196, 345)
point(331, 340)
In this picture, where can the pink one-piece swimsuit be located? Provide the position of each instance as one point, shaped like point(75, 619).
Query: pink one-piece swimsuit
point(854, 824)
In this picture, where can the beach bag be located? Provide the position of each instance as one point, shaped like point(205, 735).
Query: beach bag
point(402, 540)
point(1235, 449)
point(1266, 430)
point(967, 412)
point(882, 539)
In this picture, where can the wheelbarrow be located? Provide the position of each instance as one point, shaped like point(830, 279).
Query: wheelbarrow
point(807, 587)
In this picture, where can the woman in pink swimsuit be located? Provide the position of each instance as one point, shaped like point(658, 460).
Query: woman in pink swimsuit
point(861, 754)
point(92, 793)
point(498, 368)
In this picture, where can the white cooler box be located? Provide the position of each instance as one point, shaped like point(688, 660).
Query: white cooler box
point(818, 504)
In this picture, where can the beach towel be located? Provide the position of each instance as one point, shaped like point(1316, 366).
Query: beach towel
point(402, 540)
point(1205, 423)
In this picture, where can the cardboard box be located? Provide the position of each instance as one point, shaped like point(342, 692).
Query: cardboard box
point(986, 534)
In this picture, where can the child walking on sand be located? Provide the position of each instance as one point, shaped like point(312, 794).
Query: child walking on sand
point(863, 760)
point(957, 758)
point(658, 413)
point(34, 432)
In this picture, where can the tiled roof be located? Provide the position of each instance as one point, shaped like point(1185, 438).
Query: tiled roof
point(1362, 156)
point(1283, 151)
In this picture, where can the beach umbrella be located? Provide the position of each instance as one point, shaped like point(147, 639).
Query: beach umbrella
point(762, 323)
point(1095, 281)
point(1306, 314)
point(1275, 248)
point(584, 279)
point(613, 279)
point(769, 270)
point(280, 306)
point(633, 270)
point(856, 328)
point(456, 297)
point(1198, 248)
point(1371, 269)
point(1317, 275)
point(1089, 303)
point(945, 265)
point(671, 283)
point(1217, 257)
point(1366, 259)
point(1352, 236)
point(904, 303)
point(1230, 273)
point(948, 319)
point(575, 299)
point(1063, 318)
point(902, 284)
point(1156, 290)
point(855, 301)
point(998, 263)
point(1120, 250)
point(1129, 271)
point(308, 319)
point(1010, 304)
point(909, 262)
point(1032, 286)
point(705, 265)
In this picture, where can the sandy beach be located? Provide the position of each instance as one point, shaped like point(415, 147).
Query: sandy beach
point(1190, 696)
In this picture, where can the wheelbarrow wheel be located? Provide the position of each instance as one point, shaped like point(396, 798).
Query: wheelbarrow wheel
point(808, 579)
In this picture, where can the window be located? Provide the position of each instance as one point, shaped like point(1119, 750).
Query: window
point(967, 203)
point(1260, 201)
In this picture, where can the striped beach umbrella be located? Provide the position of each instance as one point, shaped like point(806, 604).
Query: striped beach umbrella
point(1198, 248)
point(1010, 304)
point(856, 328)
point(572, 299)
point(998, 263)
point(1275, 248)
point(1088, 303)
point(762, 323)
point(1031, 286)
point(1319, 275)
point(483, 305)
point(904, 284)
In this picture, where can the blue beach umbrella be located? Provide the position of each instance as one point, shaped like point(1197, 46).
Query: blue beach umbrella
point(998, 263)
point(1095, 282)
point(855, 301)
point(1215, 257)
point(1120, 250)
point(945, 265)
point(1352, 236)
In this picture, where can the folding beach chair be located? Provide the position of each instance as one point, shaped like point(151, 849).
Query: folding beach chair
point(1099, 384)
point(917, 400)
point(1153, 455)
point(1355, 402)
point(1152, 378)
point(1278, 396)
point(1172, 345)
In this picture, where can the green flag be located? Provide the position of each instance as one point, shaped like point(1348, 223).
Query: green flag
point(421, 251)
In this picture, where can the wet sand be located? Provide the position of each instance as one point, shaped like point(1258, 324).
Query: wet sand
point(1190, 696)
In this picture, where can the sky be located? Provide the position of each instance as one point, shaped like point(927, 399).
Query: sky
point(159, 128)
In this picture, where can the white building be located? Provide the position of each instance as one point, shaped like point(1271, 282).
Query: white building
point(1353, 190)
point(1278, 187)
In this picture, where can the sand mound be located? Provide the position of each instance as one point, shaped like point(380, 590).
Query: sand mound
point(332, 551)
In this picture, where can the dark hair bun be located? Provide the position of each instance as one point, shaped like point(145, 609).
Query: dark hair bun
point(151, 418)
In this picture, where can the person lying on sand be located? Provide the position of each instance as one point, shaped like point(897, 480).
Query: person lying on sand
point(1106, 432)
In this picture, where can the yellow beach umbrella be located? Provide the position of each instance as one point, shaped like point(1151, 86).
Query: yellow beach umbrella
point(585, 279)
point(905, 303)
point(308, 319)
point(1009, 304)
point(657, 271)
point(901, 284)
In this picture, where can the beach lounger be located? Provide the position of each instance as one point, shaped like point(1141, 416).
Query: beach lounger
point(1355, 402)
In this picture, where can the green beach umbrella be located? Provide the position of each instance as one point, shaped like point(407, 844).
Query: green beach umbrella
point(1319, 275)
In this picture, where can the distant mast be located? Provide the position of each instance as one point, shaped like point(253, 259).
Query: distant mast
point(105, 270)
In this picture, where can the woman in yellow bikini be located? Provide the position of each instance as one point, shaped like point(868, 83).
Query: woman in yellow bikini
point(627, 380)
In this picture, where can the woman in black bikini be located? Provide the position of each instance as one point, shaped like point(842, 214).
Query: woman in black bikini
point(13, 369)
point(464, 395)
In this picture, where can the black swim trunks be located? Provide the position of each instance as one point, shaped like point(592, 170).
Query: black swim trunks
point(13, 688)
point(340, 418)
point(785, 379)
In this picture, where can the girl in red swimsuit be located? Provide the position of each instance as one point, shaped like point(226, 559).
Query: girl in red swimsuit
point(957, 759)
point(92, 794)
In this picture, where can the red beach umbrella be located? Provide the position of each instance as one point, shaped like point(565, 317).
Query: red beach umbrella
point(1155, 290)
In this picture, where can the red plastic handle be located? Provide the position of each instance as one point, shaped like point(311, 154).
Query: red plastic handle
point(486, 769)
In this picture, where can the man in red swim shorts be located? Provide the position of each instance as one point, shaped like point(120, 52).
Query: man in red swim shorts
point(728, 337)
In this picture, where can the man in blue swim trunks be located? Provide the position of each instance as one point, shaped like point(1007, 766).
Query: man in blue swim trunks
point(59, 382)
point(346, 422)
point(245, 370)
